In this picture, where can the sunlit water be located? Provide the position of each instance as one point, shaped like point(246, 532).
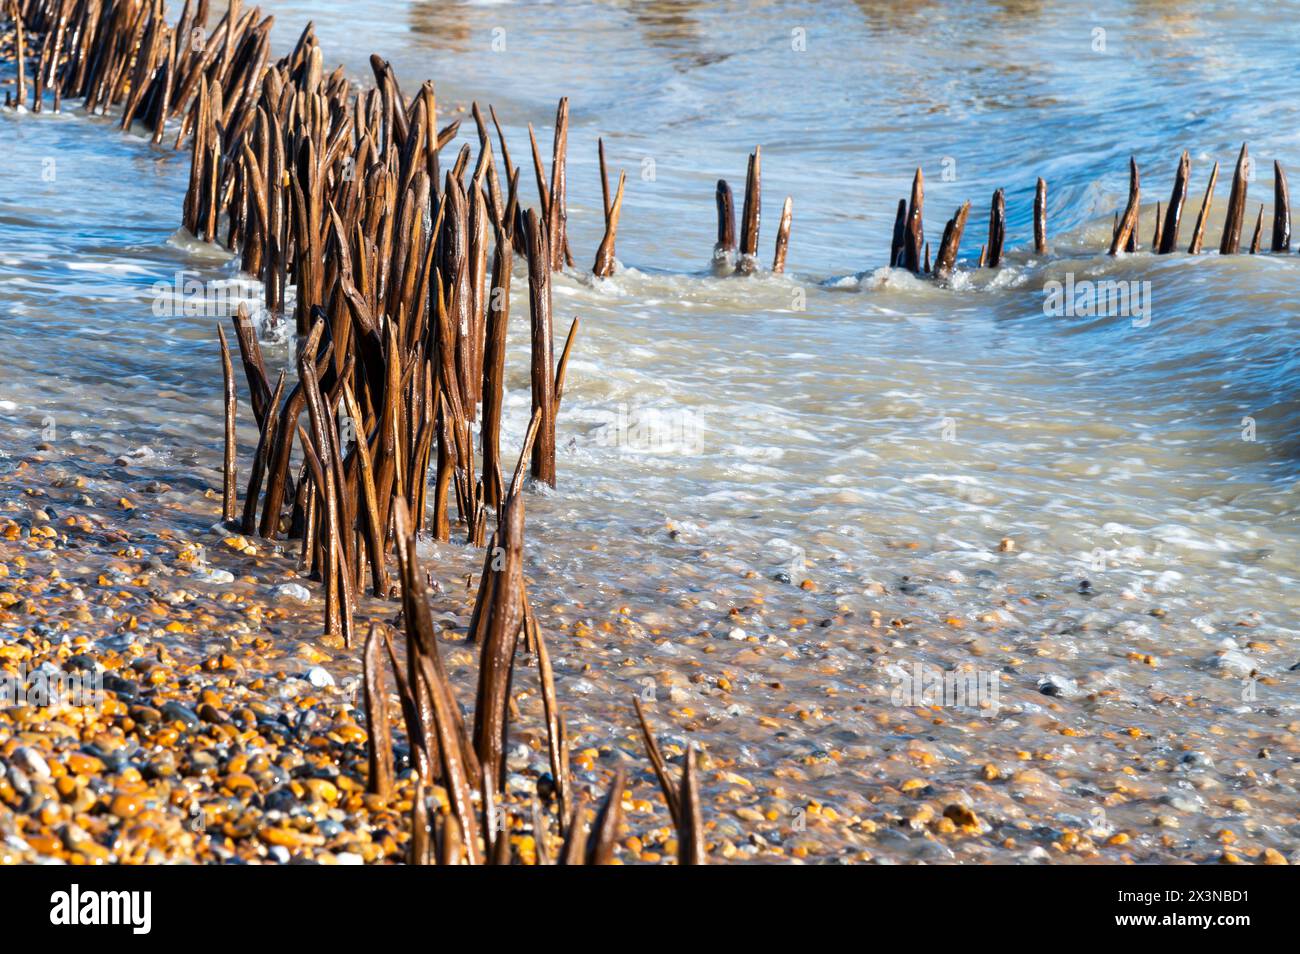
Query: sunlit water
point(726, 439)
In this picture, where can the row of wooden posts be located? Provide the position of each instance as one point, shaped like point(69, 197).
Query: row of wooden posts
point(123, 54)
point(339, 197)
point(910, 250)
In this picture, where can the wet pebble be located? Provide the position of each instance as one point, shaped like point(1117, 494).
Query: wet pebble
point(218, 577)
point(320, 678)
point(1234, 662)
point(175, 711)
point(1054, 684)
point(293, 591)
point(31, 762)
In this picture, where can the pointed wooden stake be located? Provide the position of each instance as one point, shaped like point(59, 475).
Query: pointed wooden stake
point(947, 258)
point(997, 228)
point(1174, 211)
point(494, 370)
point(783, 236)
point(749, 220)
point(672, 797)
point(1040, 217)
point(543, 354)
point(496, 661)
point(557, 232)
point(604, 266)
point(899, 240)
point(691, 848)
point(1198, 232)
point(228, 491)
point(379, 735)
point(20, 52)
point(1281, 210)
point(1128, 222)
point(562, 370)
point(724, 250)
point(914, 232)
point(574, 851)
point(1231, 242)
point(604, 834)
point(1259, 231)
point(557, 745)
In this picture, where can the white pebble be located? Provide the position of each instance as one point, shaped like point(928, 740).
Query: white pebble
point(31, 762)
point(293, 591)
point(214, 576)
point(319, 678)
point(1234, 661)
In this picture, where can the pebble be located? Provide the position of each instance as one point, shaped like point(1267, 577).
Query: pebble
point(320, 678)
point(1054, 684)
point(1234, 662)
point(177, 712)
point(31, 762)
point(293, 591)
point(125, 805)
point(209, 575)
point(1198, 760)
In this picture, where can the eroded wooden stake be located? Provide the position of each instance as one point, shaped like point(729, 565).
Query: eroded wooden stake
point(672, 797)
point(997, 228)
point(1231, 242)
point(899, 239)
point(948, 246)
point(1198, 232)
point(914, 231)
point(496, 661)
point(1128, 222)
point(604, 266)
point(228, 490)
point(543, 357)
point(1281, 211)
point(724, 250)
point(494, 363)
point(1174, 210)
point(691, 847)
point(747, 262)
point(783, 236)
point(379, 735)
point(609, 819)
point(1040, 217)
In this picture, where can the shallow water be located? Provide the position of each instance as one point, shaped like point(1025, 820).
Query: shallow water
point(723, 440)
